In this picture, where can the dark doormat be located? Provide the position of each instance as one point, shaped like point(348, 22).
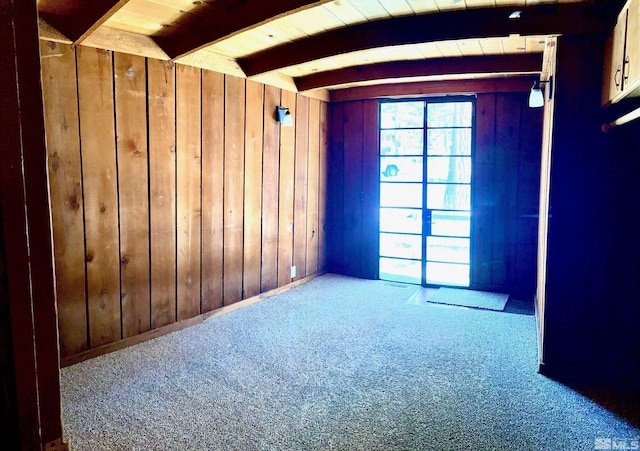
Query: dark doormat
point(469, 298)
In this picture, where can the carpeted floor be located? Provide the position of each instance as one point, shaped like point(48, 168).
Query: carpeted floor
point(338, 363)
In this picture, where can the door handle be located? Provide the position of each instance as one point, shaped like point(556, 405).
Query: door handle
point(615, 77)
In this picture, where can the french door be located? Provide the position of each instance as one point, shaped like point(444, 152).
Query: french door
point(425, 190)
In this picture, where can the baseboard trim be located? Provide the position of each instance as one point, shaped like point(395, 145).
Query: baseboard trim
point(174, 327)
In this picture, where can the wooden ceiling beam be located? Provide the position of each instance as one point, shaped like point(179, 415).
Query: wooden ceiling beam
point(224, 19)
point(82, 20)
point(420, 68)
point(449, 87)
point(566, 18)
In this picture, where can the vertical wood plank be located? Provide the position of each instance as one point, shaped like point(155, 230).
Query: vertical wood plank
point(300, 188)
point(162, 190)
point(528, 197)
point(270, 179)
point(286, 194)
point(212, 188)
point(233, 187)
point(312, 186)
point(133, 185)
point(26, 233)
point(19, 369)
point(322, 186)
point(97, 129)
point(353, 129)
point(505, 164)
point(59, 86)
point(188, 198)
point(370, 188)
point(335, 190)
point(483, 202)
point(253, 188)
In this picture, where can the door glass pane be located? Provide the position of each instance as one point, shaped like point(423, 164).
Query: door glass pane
point(449, 141)
point(450, 223)
point(401, 195)
point(402, 246)
point(407, 271)
point(448, 197)
point(447, 274)
point(401, 220)
point(450, 114)
point(449, 169)
point(401, 142)
point(402, 115)
point(401, 169)
point(453, 250)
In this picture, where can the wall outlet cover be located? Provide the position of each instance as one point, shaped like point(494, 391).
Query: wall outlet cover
point(293, 272)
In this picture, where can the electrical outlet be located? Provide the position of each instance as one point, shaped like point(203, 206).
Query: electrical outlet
point(293, 272)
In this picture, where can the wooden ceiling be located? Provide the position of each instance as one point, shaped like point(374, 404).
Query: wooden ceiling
point(305, 45)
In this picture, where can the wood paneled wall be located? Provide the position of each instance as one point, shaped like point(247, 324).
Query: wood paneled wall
point(354, 193)
point(506, 187)
point(506, 180)
point(174, 191)
point(591, 333)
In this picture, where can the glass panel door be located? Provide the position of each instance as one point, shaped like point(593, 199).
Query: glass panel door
point(425, 191)
point(401, 191)
point(448, 193)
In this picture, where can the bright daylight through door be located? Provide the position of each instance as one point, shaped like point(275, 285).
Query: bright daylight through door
point(425, 191)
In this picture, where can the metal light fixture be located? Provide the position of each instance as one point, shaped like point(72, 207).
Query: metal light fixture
point(283, 116)
point(536, 99)
point(535, 96)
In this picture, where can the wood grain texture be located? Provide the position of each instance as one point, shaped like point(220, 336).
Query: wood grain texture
point(233, 188)
point(60, 98)
point(323, 167)
point(504, 173)
point(416, 29)
point(133, 189)
point(97, 129)
point(286, 194)
point(270, 185)
point(481, 225)
point(80, 21)
point(19, 369)
point(212, 189)
point(529, 63)
point(188, 190)
point(335, 189)
point(370, 189)
point(162, 190)
point(26, 233)
point(253, 188)
point(487, 85)
point(352, 195)
point(225, 19)
point(144, 199)
point(313, 165)
point(300, 189)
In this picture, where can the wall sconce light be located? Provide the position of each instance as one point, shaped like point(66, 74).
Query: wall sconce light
point(536, 99)
point(283, 116)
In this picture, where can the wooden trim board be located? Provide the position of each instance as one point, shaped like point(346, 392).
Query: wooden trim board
point(174, 327)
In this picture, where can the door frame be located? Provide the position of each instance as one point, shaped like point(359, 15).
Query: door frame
point(426, 220)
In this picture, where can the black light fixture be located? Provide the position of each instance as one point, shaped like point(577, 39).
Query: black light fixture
point(283, 116)
point(536, 99)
